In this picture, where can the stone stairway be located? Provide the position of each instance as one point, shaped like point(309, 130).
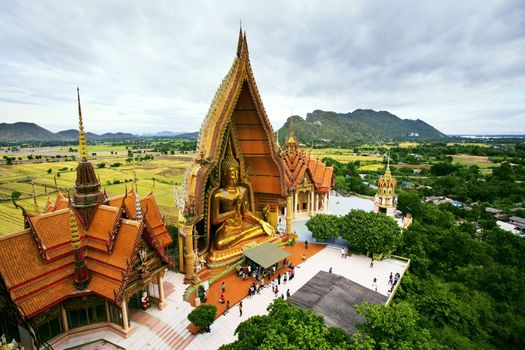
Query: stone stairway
point(171, 334)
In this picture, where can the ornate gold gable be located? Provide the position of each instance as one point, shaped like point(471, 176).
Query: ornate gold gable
point(236, 117)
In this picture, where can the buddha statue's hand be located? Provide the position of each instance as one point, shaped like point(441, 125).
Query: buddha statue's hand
point(267, 228)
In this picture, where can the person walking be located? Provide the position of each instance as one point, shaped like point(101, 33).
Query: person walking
point(279, 279)
point(330, 269)
point(273, 285)
point(391, 279)
point(223, 287)
point(240, 309)
point(343, 253)
point(305, 244)
point(227, 307)
point(287, 294)
point(276, 291)
point(374, 284)
point(372, 263)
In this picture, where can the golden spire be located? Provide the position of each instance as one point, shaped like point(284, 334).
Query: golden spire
point(35, 204)
point(138, 208)
point(82, 144)
point(387, 172)
point(73, 227)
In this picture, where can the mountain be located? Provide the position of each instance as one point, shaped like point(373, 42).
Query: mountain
point(22, 131)
point(165, 133)
point(359, 125)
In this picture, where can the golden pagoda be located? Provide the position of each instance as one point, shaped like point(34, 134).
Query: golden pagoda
point(385, 200)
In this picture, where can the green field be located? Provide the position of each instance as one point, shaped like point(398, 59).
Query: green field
point(342, 155)
point(481, 161)
point(166, 170)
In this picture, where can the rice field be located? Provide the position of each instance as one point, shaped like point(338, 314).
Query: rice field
point(481, 161)
point(343, 155)
point(168, 171)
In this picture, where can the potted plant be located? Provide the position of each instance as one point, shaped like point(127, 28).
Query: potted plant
point(203, 316)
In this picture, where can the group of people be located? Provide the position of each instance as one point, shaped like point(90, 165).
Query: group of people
point(344, 253)
point(392, 280)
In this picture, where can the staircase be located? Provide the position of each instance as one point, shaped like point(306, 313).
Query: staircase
point(171, 334)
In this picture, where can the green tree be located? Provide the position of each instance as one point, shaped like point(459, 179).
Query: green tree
point(203, 316)
point(409, 202)
point(370, 232)
point(395, 327)
point(324, 226)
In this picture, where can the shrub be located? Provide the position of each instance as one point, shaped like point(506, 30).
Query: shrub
point(203, 316)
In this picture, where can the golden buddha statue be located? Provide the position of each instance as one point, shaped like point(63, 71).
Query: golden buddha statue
point(230, 213)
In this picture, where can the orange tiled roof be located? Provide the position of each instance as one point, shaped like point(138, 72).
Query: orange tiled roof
point(299, 164)
point(37, 264)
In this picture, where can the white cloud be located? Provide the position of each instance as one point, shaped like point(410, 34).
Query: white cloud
point(155, 66)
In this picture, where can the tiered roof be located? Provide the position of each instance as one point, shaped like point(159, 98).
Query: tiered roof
point(386, 183)
point(42, 265)
point(299, 165)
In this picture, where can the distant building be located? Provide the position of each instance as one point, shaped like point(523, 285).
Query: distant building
point(385, 200)
point(517, 221)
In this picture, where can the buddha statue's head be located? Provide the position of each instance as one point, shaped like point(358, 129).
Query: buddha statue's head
point(229, 171)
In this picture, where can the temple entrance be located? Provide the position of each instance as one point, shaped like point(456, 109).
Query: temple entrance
point(134, 300)
point(382, 210)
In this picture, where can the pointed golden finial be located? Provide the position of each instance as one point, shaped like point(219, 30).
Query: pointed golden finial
point(387, 171)
point(82, 144)
point(240, 42)
point(35, 204)
point(73, 227)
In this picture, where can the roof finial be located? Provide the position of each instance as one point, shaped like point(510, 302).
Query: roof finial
point(82, 145)
point(35, 204)
point(138, 209)
point(240, 42)
point(387, 172)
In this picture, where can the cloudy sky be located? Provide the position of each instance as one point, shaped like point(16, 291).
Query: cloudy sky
point(148, 66)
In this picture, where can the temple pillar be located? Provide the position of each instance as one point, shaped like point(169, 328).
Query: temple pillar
point(63, 319)
point(289, 213)
point(312, 200)
point(125, 321)
point(162, 300)
point(108, 316)
point(181, 254)
point(188, 254)
point(295, 204)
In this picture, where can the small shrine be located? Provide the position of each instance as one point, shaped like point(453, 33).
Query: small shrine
point(385, 200)
point(310, 179)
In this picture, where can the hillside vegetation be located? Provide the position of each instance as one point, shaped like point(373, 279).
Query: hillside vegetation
point(331, 128)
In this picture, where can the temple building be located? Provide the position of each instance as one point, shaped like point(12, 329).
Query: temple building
point(385, 200)
point(84, 261)
point(310, 179)
point(241, 183)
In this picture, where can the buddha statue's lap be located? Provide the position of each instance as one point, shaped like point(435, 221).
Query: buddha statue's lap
point(230, 215)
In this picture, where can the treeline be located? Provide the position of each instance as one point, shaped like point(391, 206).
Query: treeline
point(466, 283)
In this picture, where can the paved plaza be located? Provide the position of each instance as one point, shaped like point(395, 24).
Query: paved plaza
point(166, 329)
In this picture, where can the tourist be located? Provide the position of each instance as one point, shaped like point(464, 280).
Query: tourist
point(227, 307)
point(279, 278)
point(330, 269)
point(282, 296)
point(287, 294)
point(276, 291)
point(305, 244)
point(223, 287)
point(285, 277)
point(292, 274)
point(346, 252)
point(342, 253)
point(240, 309)
point(374, 284)
point(391, 279)
point(396, 278)
point(304, 257)
point(273, 285)
point(372, 263)
point(221, 299)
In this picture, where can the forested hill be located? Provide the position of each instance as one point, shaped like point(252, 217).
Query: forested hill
point(359, 125)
